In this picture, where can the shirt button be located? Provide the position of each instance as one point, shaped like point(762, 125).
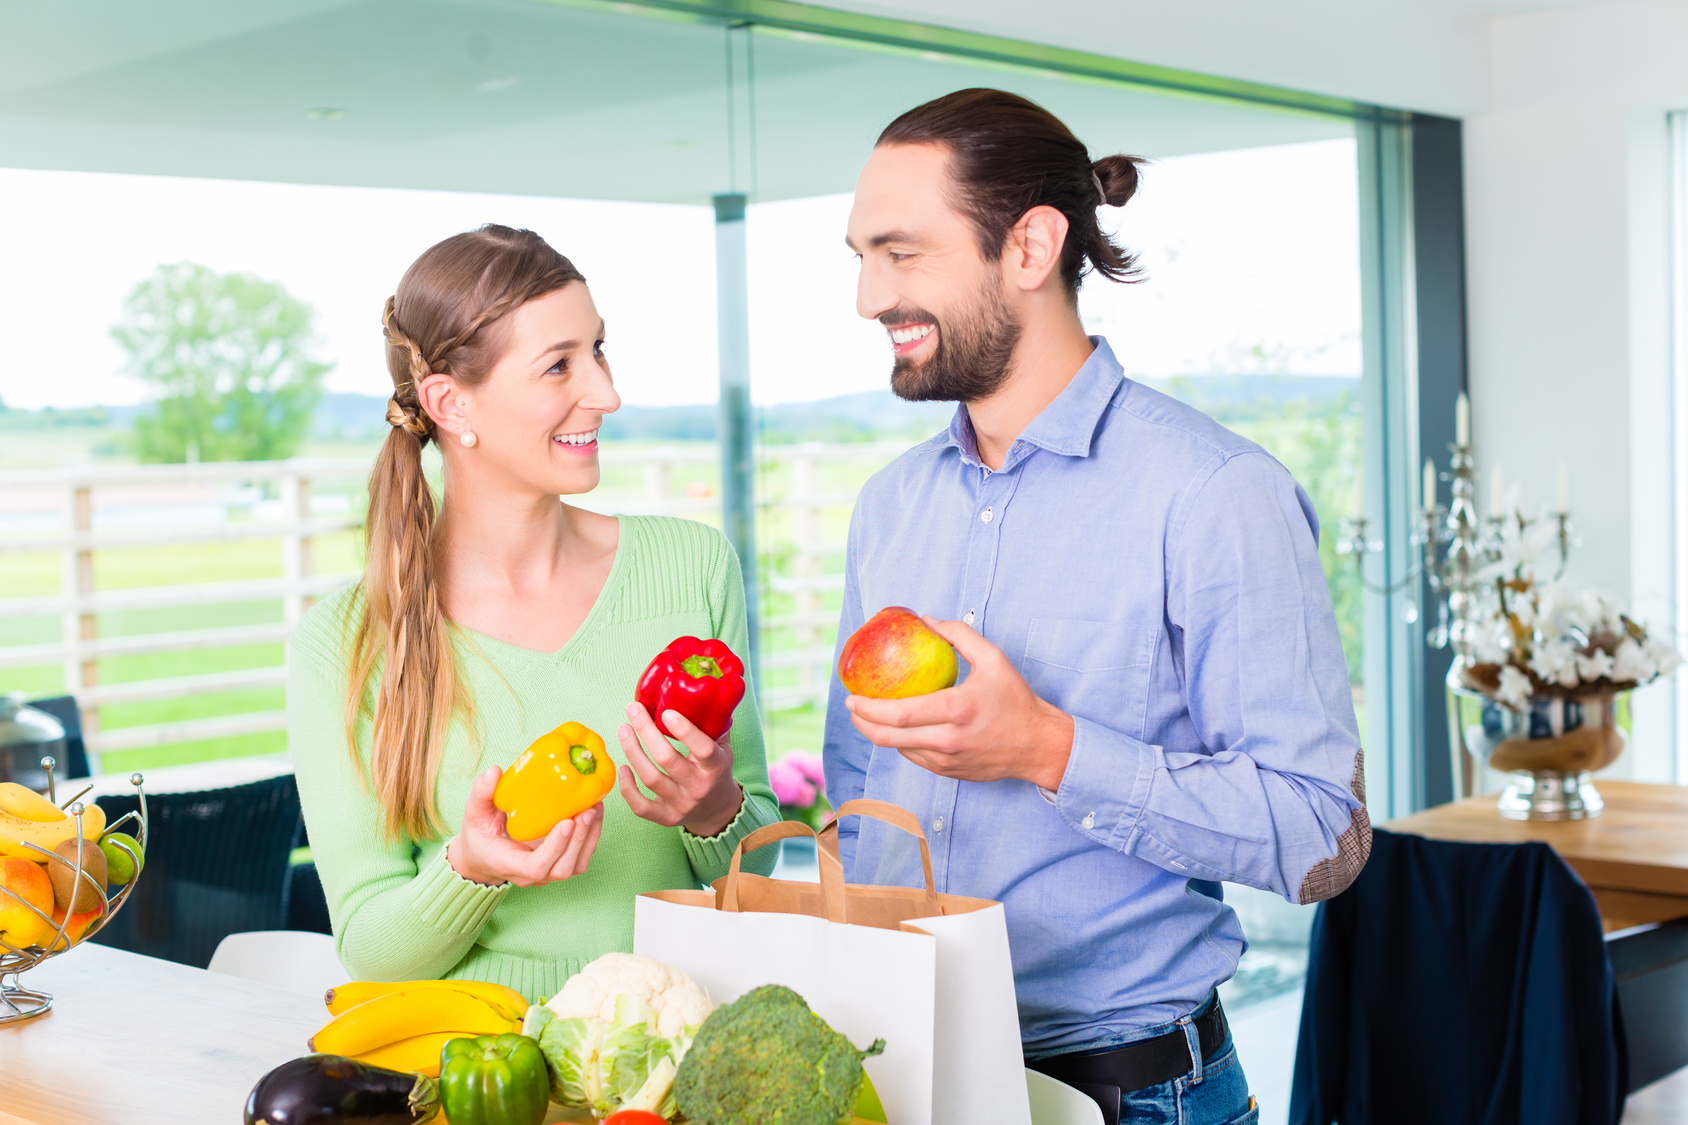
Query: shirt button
point(968, 617)
point(937, 824)
point(1088, 822)
point(986, 515)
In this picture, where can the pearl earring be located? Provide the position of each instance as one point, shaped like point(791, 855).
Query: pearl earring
point(468, 438)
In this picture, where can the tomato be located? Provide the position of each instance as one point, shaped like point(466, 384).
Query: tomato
point(634, 1117)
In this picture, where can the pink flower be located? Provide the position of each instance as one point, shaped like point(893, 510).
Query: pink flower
point(809, 765)
point(791, 787)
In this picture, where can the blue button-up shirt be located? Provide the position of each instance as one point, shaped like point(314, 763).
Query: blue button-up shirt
point(1157, 577)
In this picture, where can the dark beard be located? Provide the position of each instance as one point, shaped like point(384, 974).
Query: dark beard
point(975, 348)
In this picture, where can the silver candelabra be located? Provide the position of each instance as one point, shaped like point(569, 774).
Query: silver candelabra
point(1456, 547)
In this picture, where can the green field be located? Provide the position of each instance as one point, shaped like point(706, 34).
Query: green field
point(24, 575)
point(1320, 448)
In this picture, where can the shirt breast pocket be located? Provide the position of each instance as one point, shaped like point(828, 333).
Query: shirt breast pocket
point(1097, 670)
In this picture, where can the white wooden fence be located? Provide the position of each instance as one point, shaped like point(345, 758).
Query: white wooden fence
point(273, 501)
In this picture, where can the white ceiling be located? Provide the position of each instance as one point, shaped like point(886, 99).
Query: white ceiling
point(550, 98)
point(513, 96)
point(1435, 56)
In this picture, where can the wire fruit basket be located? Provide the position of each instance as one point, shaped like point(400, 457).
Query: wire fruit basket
point(18, 1003)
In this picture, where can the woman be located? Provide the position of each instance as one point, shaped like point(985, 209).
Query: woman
point(475, 632)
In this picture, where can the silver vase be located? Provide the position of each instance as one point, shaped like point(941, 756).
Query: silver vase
point(1551, 747)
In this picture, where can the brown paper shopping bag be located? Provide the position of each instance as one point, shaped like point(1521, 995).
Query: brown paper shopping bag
point(928, 973)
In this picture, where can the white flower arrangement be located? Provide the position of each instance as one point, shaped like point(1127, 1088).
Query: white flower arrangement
point(1543, 639)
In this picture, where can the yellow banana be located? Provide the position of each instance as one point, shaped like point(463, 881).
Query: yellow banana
point(15, 831)
point(420, 1054)
point(22, 801)
point(403, 1015)
point(507, 1001)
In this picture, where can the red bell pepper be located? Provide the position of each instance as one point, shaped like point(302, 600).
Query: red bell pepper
point(702, 680)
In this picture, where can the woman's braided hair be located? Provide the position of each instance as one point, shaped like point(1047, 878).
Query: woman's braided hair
point(446, 318)
point(404, 409)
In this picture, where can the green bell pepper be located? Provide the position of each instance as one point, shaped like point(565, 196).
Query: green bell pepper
point(494, 1080)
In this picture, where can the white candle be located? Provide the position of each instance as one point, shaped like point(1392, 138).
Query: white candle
point(1497, 493)
point(1462, 420)
point(1562, 490)
point(1429, 485)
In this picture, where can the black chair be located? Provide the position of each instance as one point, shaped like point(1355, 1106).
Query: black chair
point(307, 905)
point(217, 863)
point(1461, 984)
point(63, 708)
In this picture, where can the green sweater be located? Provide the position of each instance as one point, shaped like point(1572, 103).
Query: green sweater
point(400, 912)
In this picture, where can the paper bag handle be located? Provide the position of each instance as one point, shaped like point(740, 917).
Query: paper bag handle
point(768, 834)
point(894, 815)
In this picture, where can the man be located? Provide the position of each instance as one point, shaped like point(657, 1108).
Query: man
point(1155, 699)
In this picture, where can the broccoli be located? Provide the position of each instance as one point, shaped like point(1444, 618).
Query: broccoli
point(767, 1057)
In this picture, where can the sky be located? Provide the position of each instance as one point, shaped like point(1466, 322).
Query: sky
point(1251, 259)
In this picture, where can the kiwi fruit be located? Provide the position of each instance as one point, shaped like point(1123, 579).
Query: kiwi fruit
point(89, 894)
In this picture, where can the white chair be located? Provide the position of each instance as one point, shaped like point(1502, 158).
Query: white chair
point(1056, 1103)
point(295, 960)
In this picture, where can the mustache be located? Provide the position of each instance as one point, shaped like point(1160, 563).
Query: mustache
point(904, 314)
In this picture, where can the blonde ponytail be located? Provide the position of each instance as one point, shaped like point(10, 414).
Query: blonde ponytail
point(446, 303)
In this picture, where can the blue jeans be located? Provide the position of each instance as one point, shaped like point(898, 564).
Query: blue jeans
point(1216, 1095)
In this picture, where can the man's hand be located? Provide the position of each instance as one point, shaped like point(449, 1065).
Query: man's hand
point(992, 726)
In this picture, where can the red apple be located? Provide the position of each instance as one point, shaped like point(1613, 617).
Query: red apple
point(894, 655)
point(78, 924)
point(19, 925)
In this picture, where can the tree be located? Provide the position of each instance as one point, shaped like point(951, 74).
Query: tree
point(228, 357)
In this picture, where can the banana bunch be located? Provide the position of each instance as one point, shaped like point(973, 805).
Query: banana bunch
point(28, 817)
point(403, 1025)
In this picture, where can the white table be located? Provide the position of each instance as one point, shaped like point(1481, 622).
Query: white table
point(133, 1040)
point(140, 1041)
point(191, 778)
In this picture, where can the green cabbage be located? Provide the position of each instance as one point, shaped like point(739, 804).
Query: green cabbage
point(617, 1064)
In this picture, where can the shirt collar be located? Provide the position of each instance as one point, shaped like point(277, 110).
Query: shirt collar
point(1066, 426)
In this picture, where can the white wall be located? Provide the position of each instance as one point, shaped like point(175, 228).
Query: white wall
point(1567, 228)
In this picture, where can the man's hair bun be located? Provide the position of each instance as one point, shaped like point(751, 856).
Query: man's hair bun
point(1118, 177)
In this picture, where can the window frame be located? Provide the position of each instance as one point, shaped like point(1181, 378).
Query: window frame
point(1676, 125)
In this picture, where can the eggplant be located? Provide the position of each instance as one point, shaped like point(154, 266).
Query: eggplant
point(332, 1089)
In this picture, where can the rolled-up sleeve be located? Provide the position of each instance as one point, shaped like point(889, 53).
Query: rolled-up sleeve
point(1276, 799)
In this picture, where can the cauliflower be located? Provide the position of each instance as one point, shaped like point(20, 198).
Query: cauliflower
point(677, 1000)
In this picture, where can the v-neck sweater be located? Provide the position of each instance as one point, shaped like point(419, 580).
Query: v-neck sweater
point(399, 910)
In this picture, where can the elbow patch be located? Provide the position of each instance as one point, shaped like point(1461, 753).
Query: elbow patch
point(1330, 877)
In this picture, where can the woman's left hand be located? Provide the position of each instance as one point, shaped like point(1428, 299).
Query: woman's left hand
point(697, 792)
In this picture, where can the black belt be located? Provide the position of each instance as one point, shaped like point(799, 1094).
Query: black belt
point(1108, 1075)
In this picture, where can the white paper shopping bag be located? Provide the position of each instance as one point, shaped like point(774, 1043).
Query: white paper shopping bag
point(928, 973)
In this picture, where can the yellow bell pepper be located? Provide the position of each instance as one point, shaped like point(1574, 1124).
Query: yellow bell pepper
point(561, 775)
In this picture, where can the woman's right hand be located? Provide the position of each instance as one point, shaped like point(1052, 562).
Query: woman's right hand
point(483, 852)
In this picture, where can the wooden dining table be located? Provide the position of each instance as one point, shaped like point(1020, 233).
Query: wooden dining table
point(1634, 856)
